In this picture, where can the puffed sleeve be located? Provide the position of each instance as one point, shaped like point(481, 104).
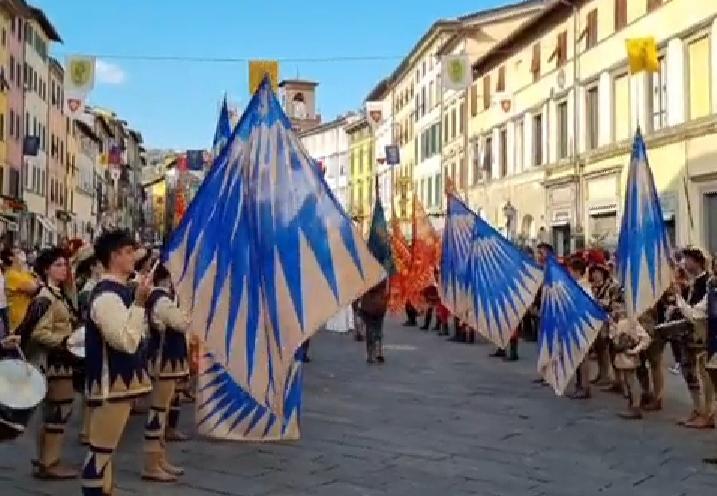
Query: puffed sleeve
point(170, 315)
point(121, 327)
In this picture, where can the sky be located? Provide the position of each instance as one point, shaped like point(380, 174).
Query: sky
point(174, 104)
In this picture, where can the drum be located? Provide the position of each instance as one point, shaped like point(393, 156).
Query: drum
point(674, 330)
point(22, 388)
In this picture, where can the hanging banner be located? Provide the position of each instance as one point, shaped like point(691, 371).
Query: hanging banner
point(374, 114)
point(79, 82)
point(456, 72)
point(260, 68)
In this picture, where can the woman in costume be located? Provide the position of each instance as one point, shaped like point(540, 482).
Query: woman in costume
point(47, 326)
point(21, 285)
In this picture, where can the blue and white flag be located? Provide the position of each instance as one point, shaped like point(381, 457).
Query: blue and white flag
point(643, 253)
point(224, 129)
point(263, 256)
point(570, 320)
point(456, 283)
point(505, 282)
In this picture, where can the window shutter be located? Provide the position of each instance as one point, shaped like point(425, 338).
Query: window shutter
point(535, 63)
point(486, 92)
point(653, 4)
point(474, 100)
point(620, 14)
point(562, 48)
point(501, 79)
point(592, 28)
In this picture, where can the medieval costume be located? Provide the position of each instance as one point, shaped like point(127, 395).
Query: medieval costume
point(169, 363)
point(116, 368)
point(373, 306)
point(629, 339)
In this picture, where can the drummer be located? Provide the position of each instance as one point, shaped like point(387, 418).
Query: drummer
point(168, 361)
point(48, 324)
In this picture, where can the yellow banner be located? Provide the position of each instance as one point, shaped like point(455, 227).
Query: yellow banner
point(642, 55)
point(258, 69)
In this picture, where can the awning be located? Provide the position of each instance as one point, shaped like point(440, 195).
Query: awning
point(10, 222)
point(48, 224)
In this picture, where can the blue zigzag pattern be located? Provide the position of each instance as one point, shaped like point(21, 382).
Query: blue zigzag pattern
point(569, 323)
point(263, 232)
point(643, 254)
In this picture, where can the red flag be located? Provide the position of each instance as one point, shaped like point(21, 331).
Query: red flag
point(425, 256)
point(402, 261)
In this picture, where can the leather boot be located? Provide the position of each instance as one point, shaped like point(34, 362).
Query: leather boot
point(153, 470)
point(58, 471)
point(169, 468)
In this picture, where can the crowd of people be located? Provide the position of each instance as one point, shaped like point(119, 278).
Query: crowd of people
point(102, 323)
point(627, 356)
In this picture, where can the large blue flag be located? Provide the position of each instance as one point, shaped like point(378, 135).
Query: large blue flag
point(379, 243)
point(643, 253)
point(224, 129)
point(505, 282)
point(486, 281)
point(263, 256)
point(570, 320)
point(456, 283)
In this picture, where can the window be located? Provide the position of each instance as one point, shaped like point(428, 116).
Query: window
point(461, 116)
point(476, 173)
point(474, 100)
point(592, 109)
point(2, 127)
point(11, 122)
point(535, 62)
point(12, 69)
point(698, 53)
point(4, 37)
point(488, 155)
point(621, 124)
point(501, 80)
point(360, 160)
point(518, 154)
point(27, 124)
point(429, 192)
point(620, 14)
point(562, 116)
point(503, 159)
point(445, 128)
point(657, 97)
point(438, 192)
point(423, 100)
point(591, 32)
point(486, 92)
point(453, 123)
point(561, 49)
point(18, 74)
point(430, 95)
point(538, 139)
point(53, 94)
point(651, 5)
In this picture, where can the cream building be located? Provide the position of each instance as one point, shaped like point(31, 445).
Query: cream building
point(328, 144)
point(38, 35)
point(555, 142)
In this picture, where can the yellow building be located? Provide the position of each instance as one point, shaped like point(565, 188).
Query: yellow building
point(6, 16)
point(361, 171)
point(557, 109)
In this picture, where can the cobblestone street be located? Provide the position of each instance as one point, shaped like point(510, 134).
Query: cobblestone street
point(437, 419)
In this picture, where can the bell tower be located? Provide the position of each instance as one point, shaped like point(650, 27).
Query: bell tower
point(298, 98)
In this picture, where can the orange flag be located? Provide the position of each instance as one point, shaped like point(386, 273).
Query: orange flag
point(402, 262)
point(425, 256)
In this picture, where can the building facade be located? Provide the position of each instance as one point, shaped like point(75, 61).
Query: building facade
point(328, 145)
point(58, 156)
point(83, 205)
point(361, 171)
point(38, 34)
point(555, 145)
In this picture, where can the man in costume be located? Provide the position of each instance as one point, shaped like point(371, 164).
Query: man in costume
point(694, 309)
point(168, 359)
point(116, 365)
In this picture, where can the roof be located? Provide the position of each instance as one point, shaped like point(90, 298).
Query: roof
point(338, 122)
point(136, 135)
point(103, 121)
point(14, 7)
point(357, 124)
point(435, 28)
point(45, 24)
point(379, 91)
point(298, 82)
point(87, 130)
point(526, 33)
point(56, 66)
point(472, 22)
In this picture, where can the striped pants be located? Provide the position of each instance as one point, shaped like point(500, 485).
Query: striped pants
point(159, 411)
point(57, 411)
point(107, 424)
